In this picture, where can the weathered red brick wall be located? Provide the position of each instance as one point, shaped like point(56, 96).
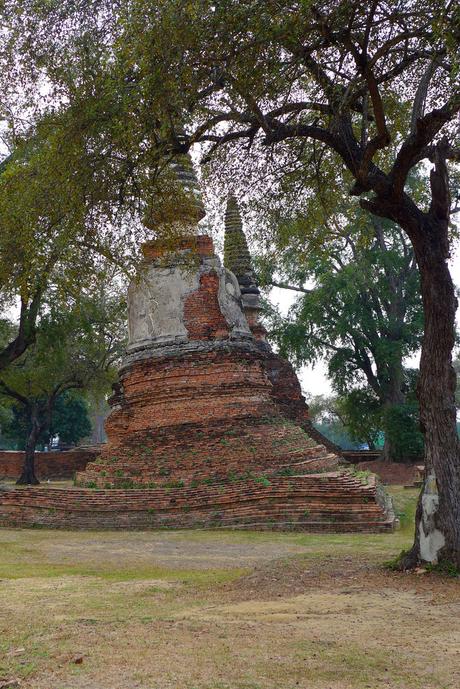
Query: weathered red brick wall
point(206, 416)
point(202, 245)
point(192, 389)
point(207, 454)
point(202, 314)
point(49, 464)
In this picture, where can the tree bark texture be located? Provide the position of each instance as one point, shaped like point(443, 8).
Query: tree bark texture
point(28, 476)
point(437, 530)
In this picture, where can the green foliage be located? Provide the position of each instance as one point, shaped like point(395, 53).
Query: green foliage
point(444, 567)
point(263, 480)
point(361, 413)
point(359, 308)
point(401, 423)
point(363, 310)
point(70, 419)
point(75, 350)
point(348, 420)
point(174, 484)
point(363, 476)
point(394, 565)
point(358, 417)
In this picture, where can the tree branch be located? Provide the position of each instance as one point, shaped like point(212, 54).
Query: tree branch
point(426, 129)
point(284, 285)
point(9, 392)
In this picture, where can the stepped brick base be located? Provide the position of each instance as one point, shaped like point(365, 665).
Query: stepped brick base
point(328, 502)
point(215, 415)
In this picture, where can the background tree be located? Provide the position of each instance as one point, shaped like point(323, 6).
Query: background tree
point(51, 237)
point(362, 313)
point(70, 422)
point(77, 185)
point(74, 350)
point(348, 422)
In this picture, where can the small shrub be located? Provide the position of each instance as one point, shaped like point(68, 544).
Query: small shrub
point(174, 484)
point(263, 480)
point(286, 471)
point(127, 483)
point(362, 476)
point(446, 568)
point(394, 565)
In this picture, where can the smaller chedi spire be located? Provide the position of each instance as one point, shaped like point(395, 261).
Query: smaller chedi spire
point(236, 252)
point(186, 175)
point(182, 210)
point(237, 259)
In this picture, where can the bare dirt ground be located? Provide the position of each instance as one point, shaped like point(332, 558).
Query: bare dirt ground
point(391, 473)
point(223, 610)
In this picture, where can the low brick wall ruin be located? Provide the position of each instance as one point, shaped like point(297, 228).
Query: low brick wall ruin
point(50, 465)
point(329, 502)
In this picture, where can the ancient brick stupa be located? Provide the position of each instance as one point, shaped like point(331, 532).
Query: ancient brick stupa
point(208, 425)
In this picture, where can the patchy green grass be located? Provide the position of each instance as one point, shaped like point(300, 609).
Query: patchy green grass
point(405, 503)
point(38, 570)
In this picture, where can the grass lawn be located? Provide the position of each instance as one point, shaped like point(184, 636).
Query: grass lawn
point(223, 610)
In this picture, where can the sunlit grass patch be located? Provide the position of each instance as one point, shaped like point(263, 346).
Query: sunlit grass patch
point(203, 577)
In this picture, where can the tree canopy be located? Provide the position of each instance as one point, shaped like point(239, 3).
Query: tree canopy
point(75, 349)
point(358, 306)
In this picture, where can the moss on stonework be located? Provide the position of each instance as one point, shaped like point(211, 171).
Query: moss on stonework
point(236, 252)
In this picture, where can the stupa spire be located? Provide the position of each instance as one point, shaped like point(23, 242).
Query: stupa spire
point(236, 252)
point(237, 259)
point(186, 175)
point(182, 211)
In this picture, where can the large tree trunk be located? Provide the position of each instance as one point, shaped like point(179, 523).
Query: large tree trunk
point(437, 529)
point(28, 477)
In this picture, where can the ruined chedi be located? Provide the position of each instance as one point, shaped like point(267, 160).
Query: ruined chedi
point(208, 426)
point(202, 398)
